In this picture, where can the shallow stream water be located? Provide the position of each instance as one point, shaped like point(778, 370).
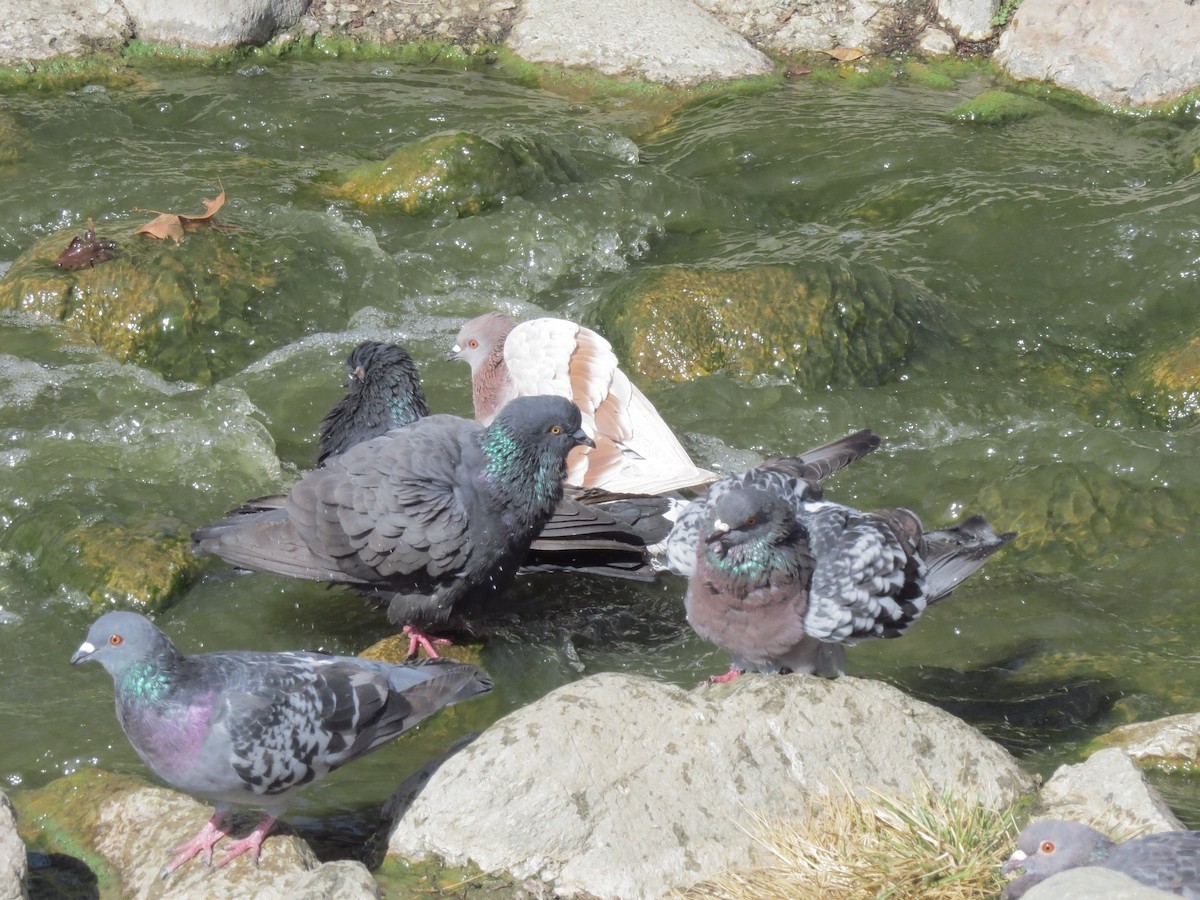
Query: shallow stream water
point(1058, 249)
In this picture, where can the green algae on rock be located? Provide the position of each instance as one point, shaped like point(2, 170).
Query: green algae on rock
point(14, 142)
point(997, 108)
point(816, 324)
point(167, 306)
point(455, 169)
point(1167, 382)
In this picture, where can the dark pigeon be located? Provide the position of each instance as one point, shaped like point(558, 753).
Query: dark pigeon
point(635, 452)
point(1168, 861)
point(384, 393)
point(785, 586)
point(422, 519)
point(242, 728)
point(796, 477)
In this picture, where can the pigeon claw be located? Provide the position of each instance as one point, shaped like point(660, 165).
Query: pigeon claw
point(727, 677)
point(252, 842)
point(419, 640)
point(201, 845)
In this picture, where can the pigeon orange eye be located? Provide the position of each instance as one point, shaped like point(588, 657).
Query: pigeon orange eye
point(751, 520)
point(116, 640)
point(472, 343)
point(554, 429)
point(1047, 846)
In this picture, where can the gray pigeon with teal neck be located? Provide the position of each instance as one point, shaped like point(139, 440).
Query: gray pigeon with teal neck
point(423, 519)
point(384, 393)
point(797, 478)
point(1168, 861)
point(785, 586)
point(243, 728)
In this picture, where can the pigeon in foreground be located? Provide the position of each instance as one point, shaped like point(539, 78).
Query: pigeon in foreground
point(785, 587)
point(1168, 861)
point(421, 519)
point(635, 451)
point(385, 393)
point(243, 728)
point(796, 477)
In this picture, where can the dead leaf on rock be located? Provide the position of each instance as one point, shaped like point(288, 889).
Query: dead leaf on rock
point(84, 252)
point(792, 71)
point(176, 225)
point(845, 54)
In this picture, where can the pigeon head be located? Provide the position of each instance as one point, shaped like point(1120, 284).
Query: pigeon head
point(120, 640)
point(375, 361)
point(1054, 845)
point(744, 515)
point(527, 447)
point(481, 339)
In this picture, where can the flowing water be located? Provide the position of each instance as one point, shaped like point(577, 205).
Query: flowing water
point(1059, 249)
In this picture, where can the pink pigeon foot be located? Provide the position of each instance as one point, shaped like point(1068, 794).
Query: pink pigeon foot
point(419, 639)
point(722, 679)
point(202, 843)
point(252, 842)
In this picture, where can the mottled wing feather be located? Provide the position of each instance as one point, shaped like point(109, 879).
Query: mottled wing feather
point(869, 577)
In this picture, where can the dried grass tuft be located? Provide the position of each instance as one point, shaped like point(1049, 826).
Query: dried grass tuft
point(934, 846)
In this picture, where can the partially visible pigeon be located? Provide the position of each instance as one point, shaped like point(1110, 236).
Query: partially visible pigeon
point(1168, 861)
point(384, 393)
point(243, 728)
point(796, 477)
point(784, 587)
point(635, 450)
point(421, 519)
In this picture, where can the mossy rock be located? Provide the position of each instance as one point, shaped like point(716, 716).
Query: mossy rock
point(394, 649)
point(816, 324)
point(144, 566)
point(997, 108)
point(1171, 744)
point(14, 142)
point(1167, 383)
point(455, 169)
point(1080, 511)
point(187, 311)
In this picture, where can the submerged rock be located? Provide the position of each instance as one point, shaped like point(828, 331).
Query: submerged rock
point(14, 142)
point(123, 829)
point(620, 786)
point(456, 170)
point(189, 311)
point(1167, 382)
point(997, 108)
point(817, 324)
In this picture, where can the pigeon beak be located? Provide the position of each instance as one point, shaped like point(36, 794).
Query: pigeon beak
point(83, 654)
point(581, 437)
point(1016, 861)
point(719, 530)
point(455, 353)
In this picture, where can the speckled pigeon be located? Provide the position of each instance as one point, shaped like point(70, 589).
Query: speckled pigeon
point(421, 519)
point(243, 728)
point(796, 477)
point(784, 587)
point(1168, 861)
point(635, 451)
point(384, 393)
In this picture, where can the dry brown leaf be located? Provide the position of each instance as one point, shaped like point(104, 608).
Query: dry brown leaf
point(84, 252)
point(175, 225)
point(845, 54)
point(791, 71)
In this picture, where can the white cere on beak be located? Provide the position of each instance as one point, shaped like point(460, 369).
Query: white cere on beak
point(1018, 856)
point(720, 526)
point(456, 349)
point(86, 647)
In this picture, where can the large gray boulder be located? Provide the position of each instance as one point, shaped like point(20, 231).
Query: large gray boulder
point(213, 23)
point(667, 41)
point(31, 32)
point(14, 864)
point(620, 786)
point(1127, 52)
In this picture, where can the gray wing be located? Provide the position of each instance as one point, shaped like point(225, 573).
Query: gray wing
point(869, 577)
point(293, 717)
point(391, 509)
point(1168, 861)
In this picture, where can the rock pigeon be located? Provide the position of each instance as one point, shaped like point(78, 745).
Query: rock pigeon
point(635, 450)
point(385, 393)
point(784, 586)
point(421, 519)
point(796, 476)
point(1168, 861)
point(243, 728)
